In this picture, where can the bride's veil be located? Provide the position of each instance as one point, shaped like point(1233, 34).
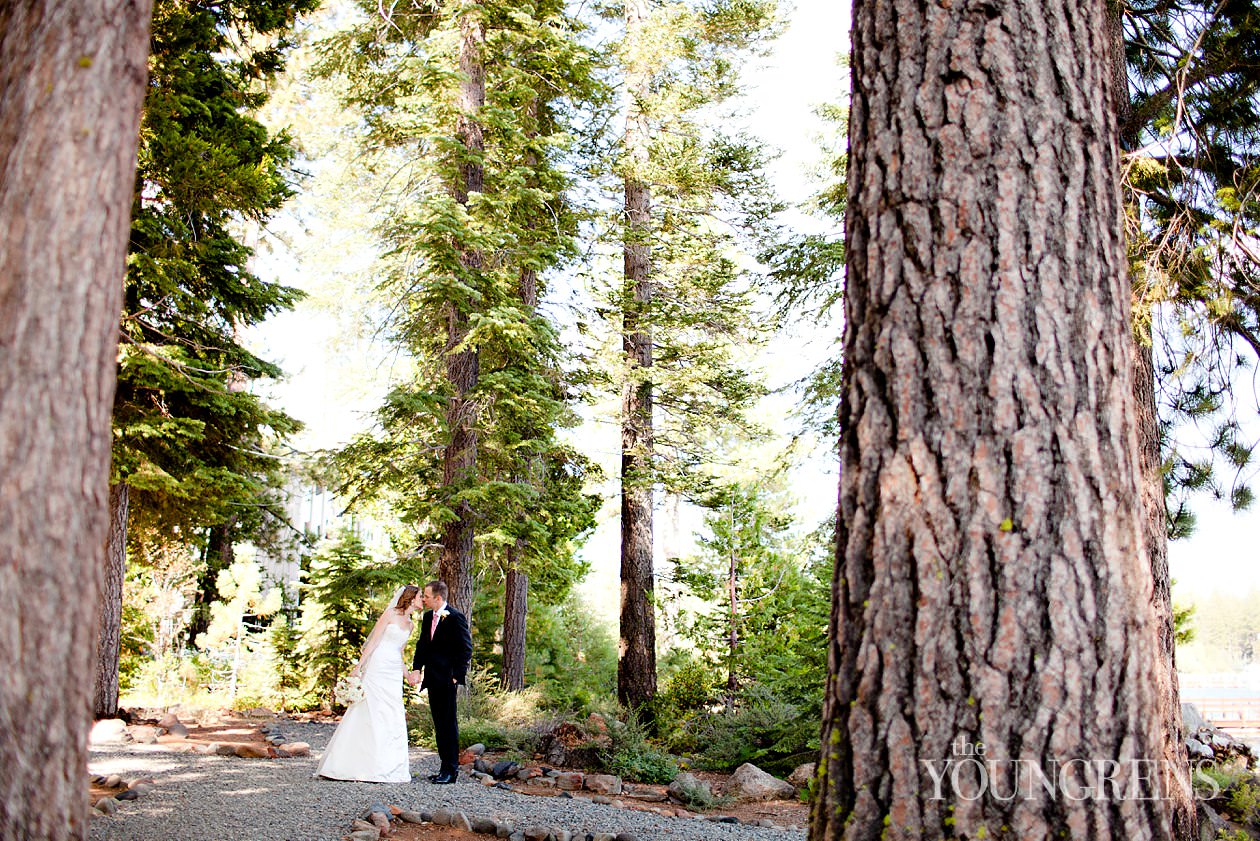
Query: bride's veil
point(393, 600)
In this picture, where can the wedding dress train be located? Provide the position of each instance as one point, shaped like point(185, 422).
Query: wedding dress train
point(370, 743)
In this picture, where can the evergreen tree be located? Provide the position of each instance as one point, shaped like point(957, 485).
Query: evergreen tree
point(687, 191)
point(190, 439)
point(525, 494)
point(346, 590)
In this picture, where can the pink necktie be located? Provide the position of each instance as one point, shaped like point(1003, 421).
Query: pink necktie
point(433, 626)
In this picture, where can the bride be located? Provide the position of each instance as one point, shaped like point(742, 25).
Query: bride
point(370, 743)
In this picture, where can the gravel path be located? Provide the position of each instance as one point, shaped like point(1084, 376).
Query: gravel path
point(218, 798)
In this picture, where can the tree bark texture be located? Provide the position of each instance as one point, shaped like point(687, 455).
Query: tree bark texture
point(992, 589)
point(459, 463)
point(72, 80)
point(109, 614)
point(1155, 526)
point(515, 609)
point(636, 661)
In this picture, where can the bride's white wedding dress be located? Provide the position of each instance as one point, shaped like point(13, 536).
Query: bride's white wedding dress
point(370, 743)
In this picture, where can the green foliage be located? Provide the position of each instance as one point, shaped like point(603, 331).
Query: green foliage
point(189, 437)
point(346, 590)
point(1191, 132)
point(527, 490)
point(761, 728)
point(632, 756)
point(1244, 802)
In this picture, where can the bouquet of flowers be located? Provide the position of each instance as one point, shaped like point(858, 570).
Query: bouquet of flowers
point(349, 690)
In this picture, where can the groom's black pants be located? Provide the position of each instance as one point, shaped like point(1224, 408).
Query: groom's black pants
point(445, 726)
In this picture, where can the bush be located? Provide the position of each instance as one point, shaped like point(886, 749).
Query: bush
point(697, 796)
point(1244, 802)
point(761, 729)
point(630, 755)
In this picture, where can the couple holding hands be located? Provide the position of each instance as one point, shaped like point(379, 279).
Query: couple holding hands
point(370, 743)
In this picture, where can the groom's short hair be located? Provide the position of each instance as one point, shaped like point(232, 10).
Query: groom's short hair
point(438, 588)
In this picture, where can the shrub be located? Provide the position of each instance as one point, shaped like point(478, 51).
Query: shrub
point(632, 756)
point(1244, 802)
point(696, 795)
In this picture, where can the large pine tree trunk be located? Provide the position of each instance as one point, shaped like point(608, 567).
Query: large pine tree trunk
point(636, 662)
point(71, 85)
point(109, 615)
point(992, 587)
point(459, 464)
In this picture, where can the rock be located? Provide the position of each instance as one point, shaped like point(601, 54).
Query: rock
point(141, 788)
point(357, 825)
point(296, 748)
point(571, 781)
point(723, 819)
point(545, 782)
point(1191, 719)
point(503, 829)
point(483, 825)
point(506, 768)
point(380, 820)
point(802, 774)
point(536, 833)
point(617, 804)
point(168, 721)
point(394, 810)
point(250, 750)
point(410, 817)
point(563, 835)
point(1211, 826)
point(1221, 740)
point(225, 750)
point(482, 766)
point(1199, 749)
point(688, 788)
point(647, 796)
point(144, 734)
point(276, 740)
point(762, 822)
point(177, 731)
point(487, 780)
point(602, 800)
point(604, 836)
point(129, 794)
point(108, 730)
point(260, 712)
point(364, 835)
point(441, 817)
point(477, 749)
point(517, 836)
point(460, 821)
point(113, 781)
point(626, 836)
point(106, 806)
point(504, 786)
point(750, 783)
point(603, 783)
point(524, 774)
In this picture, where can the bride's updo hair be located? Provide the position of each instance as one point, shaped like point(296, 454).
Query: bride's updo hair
point(408, 596)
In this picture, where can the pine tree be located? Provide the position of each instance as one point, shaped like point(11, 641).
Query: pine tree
point(190, 439)
point(524, 493)
point(680, 306)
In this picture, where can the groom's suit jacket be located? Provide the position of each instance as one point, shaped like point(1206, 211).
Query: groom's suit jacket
point(447, 653)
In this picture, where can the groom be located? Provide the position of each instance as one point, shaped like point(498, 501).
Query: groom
point(443, 652)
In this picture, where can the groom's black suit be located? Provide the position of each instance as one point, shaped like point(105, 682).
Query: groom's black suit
point(444, 656)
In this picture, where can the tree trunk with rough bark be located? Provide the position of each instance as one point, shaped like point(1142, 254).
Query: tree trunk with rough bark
point(72, 80)
point(459, 463)
point(109, 615)
point(992, 592)
point(636, 661)
point(515, 609)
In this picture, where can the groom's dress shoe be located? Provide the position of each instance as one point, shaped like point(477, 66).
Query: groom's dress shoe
point(443, 779)
point(433, 777)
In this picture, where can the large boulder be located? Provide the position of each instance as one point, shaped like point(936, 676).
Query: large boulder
point(603, 783)
point(802, 774)
point(750, 783)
